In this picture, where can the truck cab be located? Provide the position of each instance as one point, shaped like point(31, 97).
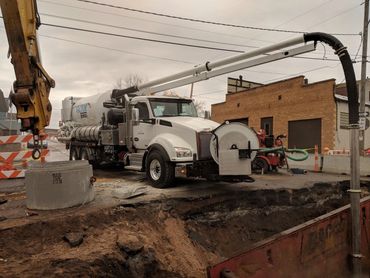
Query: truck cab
point(168, 135)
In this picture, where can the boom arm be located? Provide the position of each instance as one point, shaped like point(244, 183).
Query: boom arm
point(32, 84)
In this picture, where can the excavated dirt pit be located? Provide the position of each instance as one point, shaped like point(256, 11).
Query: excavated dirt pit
point(167, 238)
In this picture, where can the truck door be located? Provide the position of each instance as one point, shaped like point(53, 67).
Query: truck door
point(144, 131)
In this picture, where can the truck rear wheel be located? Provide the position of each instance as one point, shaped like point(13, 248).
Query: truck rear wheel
point(160, 172)
point(73, 153)
point(84, 155)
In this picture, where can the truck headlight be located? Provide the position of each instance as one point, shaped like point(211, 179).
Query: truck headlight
point(183, 152)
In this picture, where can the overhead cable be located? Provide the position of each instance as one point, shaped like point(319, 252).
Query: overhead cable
point(199, 20)
point(144, 31)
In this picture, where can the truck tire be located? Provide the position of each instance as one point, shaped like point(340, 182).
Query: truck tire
point(159, 172)
point(73, 153)
point(83, 154)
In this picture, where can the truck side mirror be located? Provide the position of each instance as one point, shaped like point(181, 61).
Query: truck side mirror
point(135, 116)
point(207, 115)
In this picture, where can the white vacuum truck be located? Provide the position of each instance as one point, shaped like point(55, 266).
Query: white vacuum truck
point(160, 135)
point(163, 135)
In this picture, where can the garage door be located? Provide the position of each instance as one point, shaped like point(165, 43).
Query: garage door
point(304, 134)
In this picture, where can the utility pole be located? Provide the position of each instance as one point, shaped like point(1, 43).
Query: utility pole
point(357, 139)
point(362, 119)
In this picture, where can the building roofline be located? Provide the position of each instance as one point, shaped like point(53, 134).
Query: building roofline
point(268, 84)
point(285, 80)
point(357, 81)
point(273, 83)
point(321, 81)
point(345, 99)
point(218, 103)
point(245, 80)
point(279, 81)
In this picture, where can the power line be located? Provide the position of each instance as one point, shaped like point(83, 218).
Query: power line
point(299, 73)
point(359, 47)
point(209, 98)
point(153, 33)
point(265, 72)
point(144, 31)
point(336, 15)
point(197, 20)
point(141, 38)
point(266, 82)
point(211, 92)
point(117, 50)
point(274, 79)
point(302, 14)
point(187, 62)
point(157, 22)
point(312, 58)
point(164, 42)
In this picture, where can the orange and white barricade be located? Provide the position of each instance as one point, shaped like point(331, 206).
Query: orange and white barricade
point(15, 139)
point(14, 164)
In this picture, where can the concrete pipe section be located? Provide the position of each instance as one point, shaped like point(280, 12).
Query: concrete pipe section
point(57, 185)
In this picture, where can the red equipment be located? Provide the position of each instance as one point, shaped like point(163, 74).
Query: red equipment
point(271, 154)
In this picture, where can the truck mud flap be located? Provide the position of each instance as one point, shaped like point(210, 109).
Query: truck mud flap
point(320, 247)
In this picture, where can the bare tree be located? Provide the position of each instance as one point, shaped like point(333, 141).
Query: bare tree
point(199, 104)
point(119, 84)
point(170, 93)
point(200, 107)
point(132, 79)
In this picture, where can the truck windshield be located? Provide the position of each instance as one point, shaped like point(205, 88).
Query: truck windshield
point(173, 108)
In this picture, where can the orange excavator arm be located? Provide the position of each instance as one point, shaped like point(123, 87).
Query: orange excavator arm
point(32, 85)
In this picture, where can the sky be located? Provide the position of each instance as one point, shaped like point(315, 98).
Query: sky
point(84, 64)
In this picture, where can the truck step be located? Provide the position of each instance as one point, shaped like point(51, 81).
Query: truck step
point(133, 167)
point(136, 160)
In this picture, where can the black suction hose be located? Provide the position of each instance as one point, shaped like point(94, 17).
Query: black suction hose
point(349, 73)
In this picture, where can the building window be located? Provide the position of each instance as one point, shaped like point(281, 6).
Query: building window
point(267, 125)
point(343, 120)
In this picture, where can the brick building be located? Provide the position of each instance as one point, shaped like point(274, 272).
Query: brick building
point(307, 113)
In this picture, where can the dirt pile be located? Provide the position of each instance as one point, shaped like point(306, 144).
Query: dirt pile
point(168, 238)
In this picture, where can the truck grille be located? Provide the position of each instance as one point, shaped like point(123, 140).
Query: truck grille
point(203, 141)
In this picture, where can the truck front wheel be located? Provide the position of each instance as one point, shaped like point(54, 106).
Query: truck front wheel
point(160, 172)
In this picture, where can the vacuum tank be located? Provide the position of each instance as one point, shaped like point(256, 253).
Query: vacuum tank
point(86, 111)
